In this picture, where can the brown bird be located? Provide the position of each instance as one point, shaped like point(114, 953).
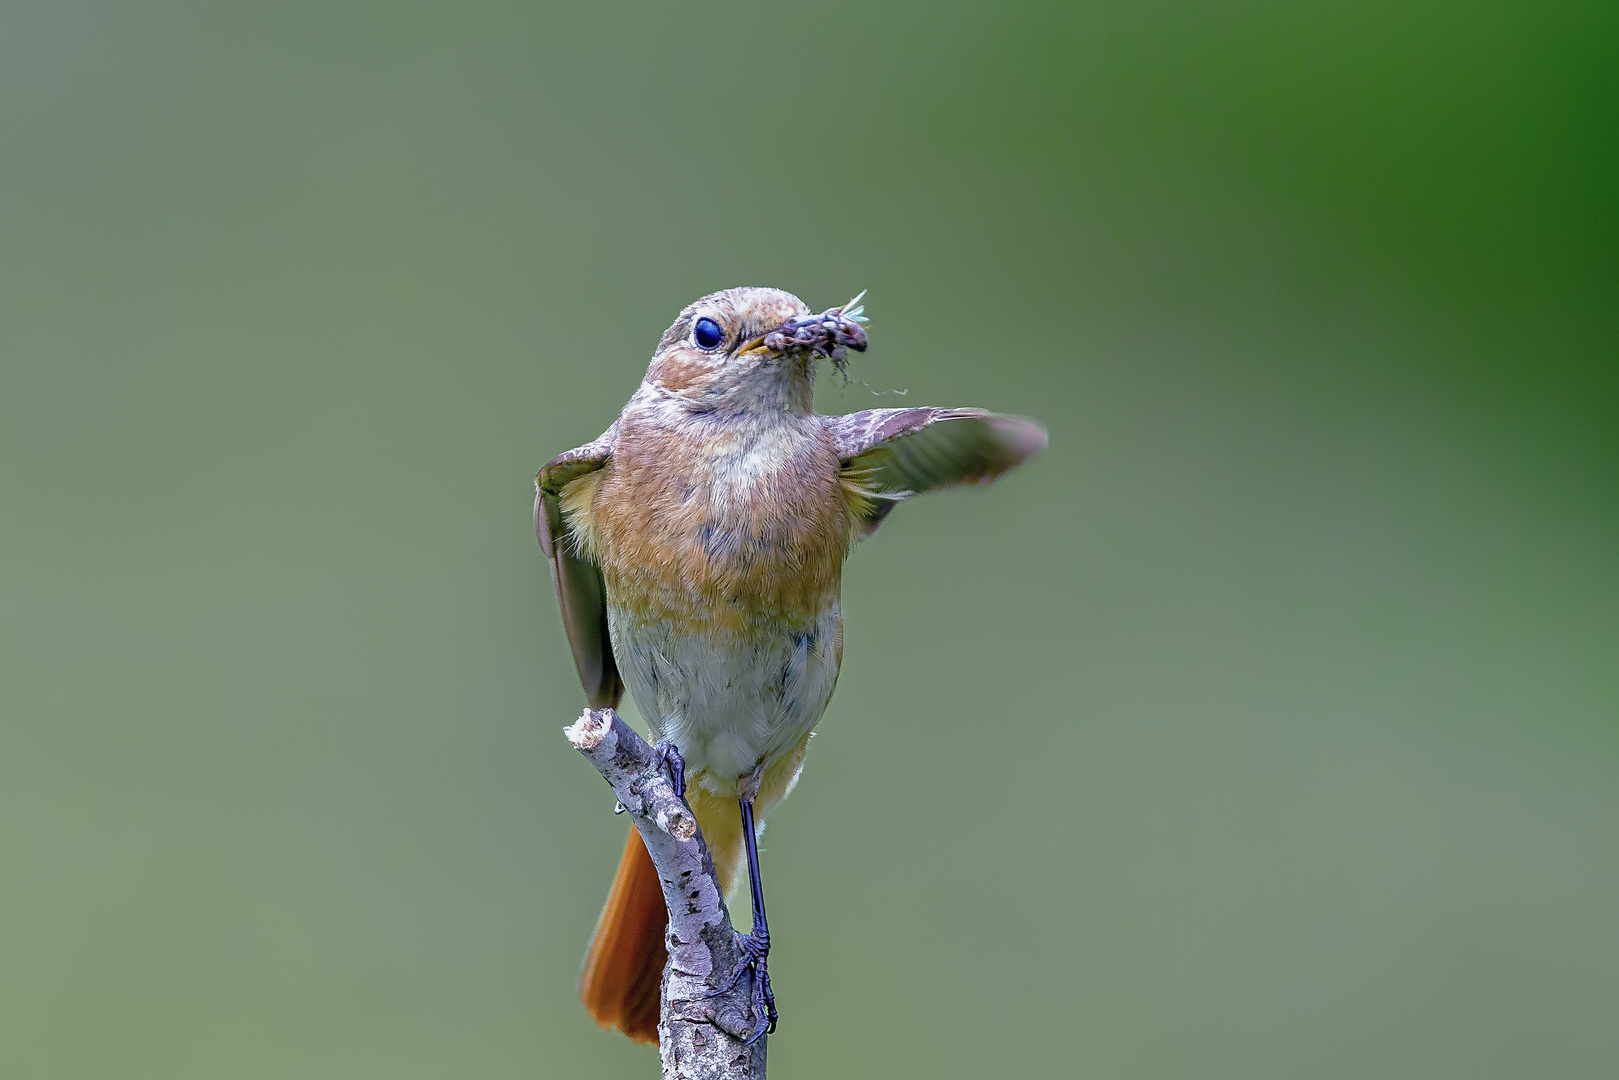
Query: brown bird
point(697, 550)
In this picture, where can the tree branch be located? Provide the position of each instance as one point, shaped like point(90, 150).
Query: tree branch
point(699, 1037)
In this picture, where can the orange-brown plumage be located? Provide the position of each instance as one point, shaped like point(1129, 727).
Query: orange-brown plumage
point(699, 547)
point(674, 547)
point(624, 968)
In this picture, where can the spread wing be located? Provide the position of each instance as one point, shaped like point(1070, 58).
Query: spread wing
point(578, 580)
point(893, 454)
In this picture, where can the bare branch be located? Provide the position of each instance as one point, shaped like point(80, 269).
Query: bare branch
point(699, 1037)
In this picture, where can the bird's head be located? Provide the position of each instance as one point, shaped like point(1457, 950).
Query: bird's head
point(752, 349)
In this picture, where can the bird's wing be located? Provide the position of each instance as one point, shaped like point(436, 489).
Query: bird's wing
point(893, 454)
point(578, 580)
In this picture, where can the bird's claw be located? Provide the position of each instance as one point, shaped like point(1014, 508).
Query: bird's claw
point(666, 757)
point(755, 951)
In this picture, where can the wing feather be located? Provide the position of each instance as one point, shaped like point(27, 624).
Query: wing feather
point(895, 454)
point(581, 594)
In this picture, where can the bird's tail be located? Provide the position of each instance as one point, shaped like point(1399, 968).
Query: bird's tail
point(623, 973)
point(624, 968)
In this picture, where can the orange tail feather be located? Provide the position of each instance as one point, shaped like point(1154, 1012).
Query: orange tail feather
point(624, 969)
point(622, 982)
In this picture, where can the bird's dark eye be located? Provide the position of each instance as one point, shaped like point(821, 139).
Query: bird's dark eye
point(707, 334)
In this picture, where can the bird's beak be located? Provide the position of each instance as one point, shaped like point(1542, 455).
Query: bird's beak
point(829, 334)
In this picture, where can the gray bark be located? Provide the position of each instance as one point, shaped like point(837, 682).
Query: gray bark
point(699, 1037)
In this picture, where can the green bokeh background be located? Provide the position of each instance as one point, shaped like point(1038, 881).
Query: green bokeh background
point(1265, 727)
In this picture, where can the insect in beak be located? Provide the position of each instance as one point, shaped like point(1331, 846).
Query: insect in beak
point(830, 334)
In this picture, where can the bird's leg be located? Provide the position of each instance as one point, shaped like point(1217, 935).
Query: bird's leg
point(756, 944)
point(666, 756)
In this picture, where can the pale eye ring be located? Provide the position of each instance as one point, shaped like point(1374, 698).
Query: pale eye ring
point(707, 333)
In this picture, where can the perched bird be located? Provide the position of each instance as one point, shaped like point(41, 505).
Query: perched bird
point(697, 550)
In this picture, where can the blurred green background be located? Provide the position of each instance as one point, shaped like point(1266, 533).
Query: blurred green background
point(1271, 714)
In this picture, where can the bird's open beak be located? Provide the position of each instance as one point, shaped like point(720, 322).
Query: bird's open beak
point(829, 334)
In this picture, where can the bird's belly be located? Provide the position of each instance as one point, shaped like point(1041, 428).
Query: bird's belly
point(733, 703)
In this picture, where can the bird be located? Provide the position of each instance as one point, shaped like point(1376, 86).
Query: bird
point(697, 548)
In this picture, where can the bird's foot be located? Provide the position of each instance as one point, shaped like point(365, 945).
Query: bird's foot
point(755, 951)
point(666, 757)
